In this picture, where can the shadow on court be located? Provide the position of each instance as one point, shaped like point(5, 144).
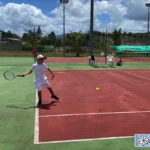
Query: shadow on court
point(18, 107)
point(104, 66)
point(48, 106)
point(96, 66)
point(43, 106)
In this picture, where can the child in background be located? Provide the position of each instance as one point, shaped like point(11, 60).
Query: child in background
point(34, 53)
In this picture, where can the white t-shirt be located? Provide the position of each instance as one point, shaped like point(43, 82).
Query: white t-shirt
point(39, 72)
point(89, 57)
point(110, 58)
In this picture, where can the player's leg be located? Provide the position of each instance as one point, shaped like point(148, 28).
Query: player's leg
point(34, 57)
point(52, 93)
point(47, 85)
point(40, 98)
point(94, 63)
point(39, 89)
point(89, 61)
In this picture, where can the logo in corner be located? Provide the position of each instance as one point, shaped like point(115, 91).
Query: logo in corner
point(142, 140)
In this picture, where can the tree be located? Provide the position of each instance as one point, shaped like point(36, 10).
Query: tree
point(32, 37)
point(130, 36)
point(76, 40)
point(25, 37)
point(38, 31)
point(52, 37)
point(58, 43)
point(116, 36)
point(46, 41)
point(7, 34)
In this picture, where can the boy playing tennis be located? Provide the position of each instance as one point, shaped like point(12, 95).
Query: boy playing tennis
point(40, 78)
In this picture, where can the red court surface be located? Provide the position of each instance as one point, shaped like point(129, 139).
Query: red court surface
point(98, 59)
point(120, 108)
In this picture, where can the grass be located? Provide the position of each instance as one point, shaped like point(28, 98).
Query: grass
point(16, 125)
point(17, 114)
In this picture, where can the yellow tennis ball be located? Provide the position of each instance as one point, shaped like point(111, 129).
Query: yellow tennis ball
point(97, 88)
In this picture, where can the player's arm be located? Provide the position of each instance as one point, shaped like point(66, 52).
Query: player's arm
point(29, 72)
point(51, 72)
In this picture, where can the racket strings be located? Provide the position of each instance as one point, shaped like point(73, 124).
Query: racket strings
point(9, 75)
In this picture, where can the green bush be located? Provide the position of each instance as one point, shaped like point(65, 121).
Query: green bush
point(48, 48)
point(27, 47)
point(40, 48)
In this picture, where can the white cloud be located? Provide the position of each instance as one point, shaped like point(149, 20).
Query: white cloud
point(137, 10)
point(130, 15)
point(22, 17)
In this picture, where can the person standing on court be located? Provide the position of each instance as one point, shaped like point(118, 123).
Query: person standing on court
point(92, 60)
point(110, 60)
point(89, 60)
point(40, 79)
point(34, 53)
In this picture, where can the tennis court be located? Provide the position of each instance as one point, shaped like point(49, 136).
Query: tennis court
point(98, 119)
point(83, 113)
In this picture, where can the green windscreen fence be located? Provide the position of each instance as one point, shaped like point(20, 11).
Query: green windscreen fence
point(131, 49)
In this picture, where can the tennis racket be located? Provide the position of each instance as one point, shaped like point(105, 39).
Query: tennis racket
point(10, 75)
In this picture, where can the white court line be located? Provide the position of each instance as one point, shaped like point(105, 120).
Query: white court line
point(36, 128)
point(137, 75)
point(84, 140)
point(101, 113)
point(92, 139)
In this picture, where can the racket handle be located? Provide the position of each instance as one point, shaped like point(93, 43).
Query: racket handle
point(20, 75)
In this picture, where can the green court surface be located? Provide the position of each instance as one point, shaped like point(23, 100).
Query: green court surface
point(17, 112)
point(28, 61)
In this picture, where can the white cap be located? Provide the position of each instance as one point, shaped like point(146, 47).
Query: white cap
point(40, 57)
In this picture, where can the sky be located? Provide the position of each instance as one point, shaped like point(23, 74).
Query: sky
point(20, 16)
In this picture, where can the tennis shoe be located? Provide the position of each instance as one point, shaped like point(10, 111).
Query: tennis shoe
point(55, 97)
point(39, 103)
